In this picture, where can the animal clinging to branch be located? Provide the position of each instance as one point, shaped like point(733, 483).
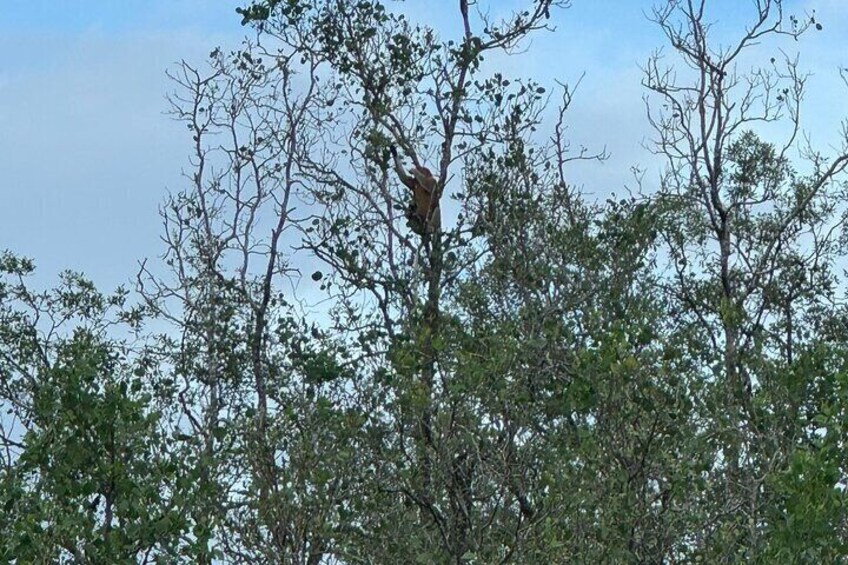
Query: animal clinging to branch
point(423, 214)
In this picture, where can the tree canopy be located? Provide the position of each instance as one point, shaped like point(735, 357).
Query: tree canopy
point(546, 377)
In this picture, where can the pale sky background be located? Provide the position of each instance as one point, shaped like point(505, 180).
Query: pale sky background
point(87, 153)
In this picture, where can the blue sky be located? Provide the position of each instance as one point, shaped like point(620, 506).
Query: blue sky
point(115, 16)
point(87, 153)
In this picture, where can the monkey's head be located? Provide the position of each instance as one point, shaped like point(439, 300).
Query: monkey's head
point(421, 171)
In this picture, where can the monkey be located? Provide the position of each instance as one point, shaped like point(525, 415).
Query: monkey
point(423, 214)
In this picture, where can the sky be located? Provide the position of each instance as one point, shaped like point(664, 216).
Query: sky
point(87, 152)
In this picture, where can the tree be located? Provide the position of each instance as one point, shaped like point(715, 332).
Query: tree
point(545, 378)
point(87, 475)
point(473, 335)
point(752, 243)
point(274, 423)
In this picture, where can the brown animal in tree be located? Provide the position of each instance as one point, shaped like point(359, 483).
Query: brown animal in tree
point(423, 214)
